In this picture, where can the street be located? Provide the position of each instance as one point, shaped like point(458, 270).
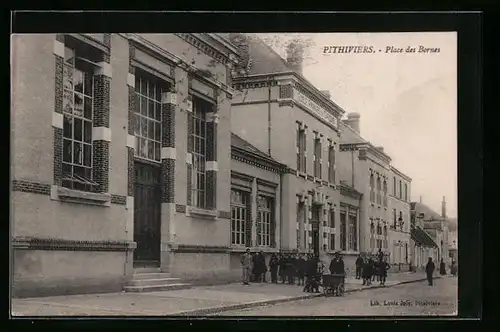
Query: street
point(412, 299)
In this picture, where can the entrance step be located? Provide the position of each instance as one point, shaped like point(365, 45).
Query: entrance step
point(153, 282)
point(156, 288)
point(140, 270)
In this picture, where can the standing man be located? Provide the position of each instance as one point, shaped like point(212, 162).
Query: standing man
point(359, 264)
point(273, 268)
point(246, 266)
point(442, 268)
point(429, 269)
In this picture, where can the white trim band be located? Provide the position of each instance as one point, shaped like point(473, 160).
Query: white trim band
point(131, 141)
point(101, 134)
point(211, 166)
point(57, 120)
point(104, 69)
point(131, 80)
point(59, 48)
point(168, 153)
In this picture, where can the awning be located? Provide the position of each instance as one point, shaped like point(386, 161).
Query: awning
point(422, 238)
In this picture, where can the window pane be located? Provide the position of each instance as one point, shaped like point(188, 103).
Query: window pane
point(143, 147)
point(157, 151)
point(151, 91)
point(69, 55)
point(77, 153)
point(78, 129)
point(79, 171)
point(67, 149)
point(68, 126)
point(87, 155)
point(78, 80)
point(87, 87)
point(151, 109)
point(137, 124)
point(196, 145)
point(137, 84)
point(137, 147)
point(87, 132)
point(158, 111)
point(68, 102)
point(157, 131)
point(144, 127)
point(197, 127)
point(144, 106)
point(68, 77)
point(88, 108)
point(151, 150)
point(151, 129)
point(158, 92)
point(78, 105)
point(144, 88)
point(137, 103)
point(66, 170)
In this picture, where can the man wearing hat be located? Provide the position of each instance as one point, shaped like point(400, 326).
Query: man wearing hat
point(246, 266)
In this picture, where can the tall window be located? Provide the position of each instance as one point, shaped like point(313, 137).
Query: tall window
point(317, 158)
point(148, 92)
point(379, 197)
point(372, 236)
point(400, 189)
point(379, 236)
point(352, 233)
point(300, 214)
point(332, 225)
point(394, 187)
point(239, 214)
point(78, 100)
point(385, 237)
point(199, 141)
point(400, 220)
point(406, 192)
point(342, 231)
point(385, 193)
point(264, 220)
point(331, 163)
point(372, 188)
point(301, 150)
point(394, 218)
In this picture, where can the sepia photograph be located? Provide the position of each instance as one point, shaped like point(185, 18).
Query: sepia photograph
point(234, 174)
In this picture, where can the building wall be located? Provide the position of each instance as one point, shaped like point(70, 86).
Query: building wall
point(399, 237)
point(37, 209)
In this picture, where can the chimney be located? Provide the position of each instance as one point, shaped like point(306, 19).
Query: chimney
point(443, 207)
point(420, 199)
point(353, 121)
point(295, 56)
point(326, 93)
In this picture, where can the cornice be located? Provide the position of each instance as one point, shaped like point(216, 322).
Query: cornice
point(256, 160)
point(206, 47)
point(346, 190)
point(379, 154)
point(399, 173)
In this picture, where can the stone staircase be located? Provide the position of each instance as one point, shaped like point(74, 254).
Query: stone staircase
point(153, 280)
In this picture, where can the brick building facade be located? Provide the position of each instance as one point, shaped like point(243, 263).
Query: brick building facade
point(119, 157)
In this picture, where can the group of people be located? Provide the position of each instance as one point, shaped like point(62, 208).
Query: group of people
point(293, 269)
point(371, 268)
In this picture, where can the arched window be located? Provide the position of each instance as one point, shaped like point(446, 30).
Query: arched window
point(372, 187)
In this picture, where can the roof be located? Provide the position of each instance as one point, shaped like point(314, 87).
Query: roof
point(421, 237)
point(429, 214)
point(263, 59)
point(240, 144)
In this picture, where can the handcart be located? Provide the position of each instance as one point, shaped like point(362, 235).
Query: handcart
point(333, 284)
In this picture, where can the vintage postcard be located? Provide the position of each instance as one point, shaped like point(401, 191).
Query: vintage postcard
point(234, 174)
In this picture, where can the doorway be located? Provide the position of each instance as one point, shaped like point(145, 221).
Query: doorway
point(315, 223)
point(147, 215)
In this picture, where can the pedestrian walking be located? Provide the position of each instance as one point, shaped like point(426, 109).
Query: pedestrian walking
point(383, 267)
point(273, 268)
point(453, 268)
point(359, 266)
point(301, 265)
point(246, 266)
point(290, 269)
point(367, 271)
point(429, 270)
point(261, 267)
point(442, 268)
point(282, 268)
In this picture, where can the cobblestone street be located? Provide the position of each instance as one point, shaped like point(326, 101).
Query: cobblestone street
point(412, 299)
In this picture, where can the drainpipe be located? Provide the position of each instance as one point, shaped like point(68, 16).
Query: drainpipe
point(352, 168)
point(269, 115)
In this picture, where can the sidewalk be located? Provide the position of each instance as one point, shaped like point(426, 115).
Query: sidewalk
point(200, 300)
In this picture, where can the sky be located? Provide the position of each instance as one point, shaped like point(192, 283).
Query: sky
point(407, 101)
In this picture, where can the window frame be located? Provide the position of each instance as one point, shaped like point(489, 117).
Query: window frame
point(140, 116)
point(343, 230)
point(317, 158)
point(264, 221)
point(331, 163)
point(243, 208)
point(199, 156)
point(73, 63)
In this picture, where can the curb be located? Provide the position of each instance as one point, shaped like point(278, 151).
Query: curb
point(208, 311)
